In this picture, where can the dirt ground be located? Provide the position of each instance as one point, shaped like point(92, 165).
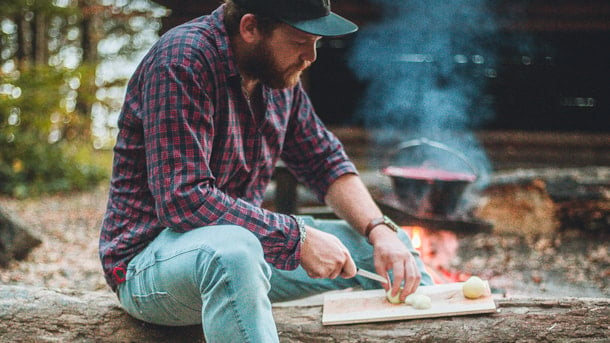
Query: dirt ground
point(69, 227)
point(572, 263)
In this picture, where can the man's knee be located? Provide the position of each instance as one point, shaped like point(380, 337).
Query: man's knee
point(239, 251)
point(240, 242)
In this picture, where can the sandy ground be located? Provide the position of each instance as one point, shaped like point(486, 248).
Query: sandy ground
point(568, 264)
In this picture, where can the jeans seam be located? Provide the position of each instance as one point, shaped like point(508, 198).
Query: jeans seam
point(158, 260)
point(229, 285)
point(138, 270)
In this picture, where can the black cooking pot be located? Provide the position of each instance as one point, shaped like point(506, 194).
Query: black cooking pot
point(426, 189)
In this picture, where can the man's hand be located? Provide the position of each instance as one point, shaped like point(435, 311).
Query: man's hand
point(391, 254)
point(351, 200)
point(324, 256)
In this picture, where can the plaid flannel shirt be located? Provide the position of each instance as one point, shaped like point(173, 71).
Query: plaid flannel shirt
point(190, 153)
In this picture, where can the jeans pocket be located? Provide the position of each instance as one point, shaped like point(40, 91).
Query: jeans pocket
point(164, 309)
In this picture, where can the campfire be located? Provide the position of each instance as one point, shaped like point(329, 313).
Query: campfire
point(530, 248)
point(437, 249)
point(428, 181)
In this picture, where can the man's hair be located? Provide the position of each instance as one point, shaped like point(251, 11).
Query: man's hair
point(234, 13)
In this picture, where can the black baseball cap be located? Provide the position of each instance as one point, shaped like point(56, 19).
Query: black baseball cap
point(310, 16)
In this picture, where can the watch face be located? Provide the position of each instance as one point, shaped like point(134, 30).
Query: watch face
point(390, 223)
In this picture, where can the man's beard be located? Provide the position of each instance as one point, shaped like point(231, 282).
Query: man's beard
point(261, 65)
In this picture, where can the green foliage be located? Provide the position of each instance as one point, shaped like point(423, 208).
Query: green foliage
point(43, 136)
point(60, 89)
point(29, 167)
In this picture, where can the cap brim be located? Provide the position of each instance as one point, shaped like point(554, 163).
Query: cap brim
point(331, 25)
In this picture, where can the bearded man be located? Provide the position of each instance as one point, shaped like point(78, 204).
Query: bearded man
point(210, 110)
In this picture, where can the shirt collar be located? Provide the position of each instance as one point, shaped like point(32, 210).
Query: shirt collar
point(223, 43)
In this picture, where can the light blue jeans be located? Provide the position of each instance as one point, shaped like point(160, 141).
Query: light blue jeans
point(217, 276)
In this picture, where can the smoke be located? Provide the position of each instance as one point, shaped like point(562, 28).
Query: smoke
point(425, 63)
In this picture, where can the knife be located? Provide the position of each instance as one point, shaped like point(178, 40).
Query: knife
point(371, 275)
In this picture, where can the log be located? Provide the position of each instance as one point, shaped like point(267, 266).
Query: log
point(16, 241)
point(41, 315)
point(593, 215)
point(562, 184)
point(34, 314)
point(539, 202)
point(523, 209)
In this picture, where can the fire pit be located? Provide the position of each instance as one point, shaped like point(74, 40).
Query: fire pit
point(532, 249)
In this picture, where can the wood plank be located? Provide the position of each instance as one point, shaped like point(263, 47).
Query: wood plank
point(371, 305)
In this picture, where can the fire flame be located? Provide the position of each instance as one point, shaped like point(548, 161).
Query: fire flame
point(416, 237)
point(416, 233)
point(437, 249)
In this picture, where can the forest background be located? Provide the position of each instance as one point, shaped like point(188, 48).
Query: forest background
point(63, 69)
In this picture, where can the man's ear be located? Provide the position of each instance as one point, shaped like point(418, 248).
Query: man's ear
point(248, 28)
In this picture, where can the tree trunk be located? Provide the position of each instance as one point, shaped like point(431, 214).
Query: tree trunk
point(39, 39)
point(16, 241)
point(91, 21)
point(89, 49)
point(23, 53)
point(37, 314)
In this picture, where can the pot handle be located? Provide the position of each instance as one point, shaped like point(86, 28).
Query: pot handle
point(425, 141)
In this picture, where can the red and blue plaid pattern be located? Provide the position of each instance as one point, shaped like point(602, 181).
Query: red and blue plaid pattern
point(190, 153)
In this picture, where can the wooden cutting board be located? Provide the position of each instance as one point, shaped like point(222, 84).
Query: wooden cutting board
point(372, 306)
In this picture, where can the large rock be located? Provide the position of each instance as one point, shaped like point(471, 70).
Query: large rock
point(16, 241)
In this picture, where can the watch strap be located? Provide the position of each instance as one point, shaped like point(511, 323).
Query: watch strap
point(379, 221)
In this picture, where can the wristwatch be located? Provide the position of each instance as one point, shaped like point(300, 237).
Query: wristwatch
point(379, 221)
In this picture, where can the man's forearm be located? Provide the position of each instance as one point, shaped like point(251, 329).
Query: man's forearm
point(352, 201)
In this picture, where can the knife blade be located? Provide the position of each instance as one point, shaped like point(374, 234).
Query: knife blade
point(371, 275)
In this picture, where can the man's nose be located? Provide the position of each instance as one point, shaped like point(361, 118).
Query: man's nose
point(310, 53)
